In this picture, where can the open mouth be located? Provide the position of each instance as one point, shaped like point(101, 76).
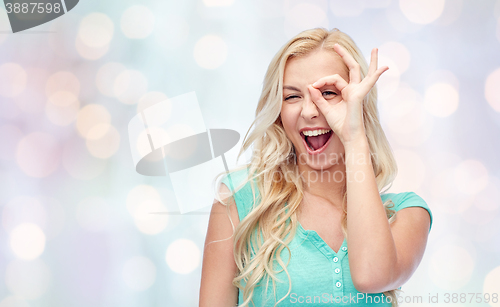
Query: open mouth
point(316, 140)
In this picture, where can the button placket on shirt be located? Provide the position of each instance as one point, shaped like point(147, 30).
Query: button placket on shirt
point(338, 289)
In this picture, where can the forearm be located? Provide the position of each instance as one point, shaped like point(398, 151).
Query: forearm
point(372, 251)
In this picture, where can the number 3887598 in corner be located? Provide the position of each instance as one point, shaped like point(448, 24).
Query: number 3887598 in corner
point(33, 8)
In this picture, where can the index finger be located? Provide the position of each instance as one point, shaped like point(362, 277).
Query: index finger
point(354, 68)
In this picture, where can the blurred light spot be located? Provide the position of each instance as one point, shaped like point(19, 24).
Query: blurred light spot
point(183, 256)
point(62, 108)
point(152, 98)
point(218, 2)
point(388, 84)
point(210, 51)
point(137, 22)
point(423, 11)
point(27, 241)
point(93, 214)
point(492, 90)
point(13, 301)
point(411, 170)
point(91, 116)
point(96, 30)
point(106, 76)
point(105, 145)
point(490, 285)
point(79, 163)
point(396, 52)
point(139, 273)
point(130, 86)
point(62, 81)
point(10, 136)
point(451, 267)
point(304, 16)
point(23, 209)
point(471, 177)
point(38, 154)
point(172, 31)
point(441, 100)
point(347, 8)
point(90, 53)
point(149, 216)
point(28, 279)
point(12, 79)
point(139, 194)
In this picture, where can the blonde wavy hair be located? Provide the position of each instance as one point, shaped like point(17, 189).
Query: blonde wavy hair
point(273, 162)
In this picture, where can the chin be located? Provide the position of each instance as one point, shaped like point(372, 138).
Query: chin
point(324, 161)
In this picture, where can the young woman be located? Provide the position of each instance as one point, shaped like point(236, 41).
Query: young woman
point(307, 221)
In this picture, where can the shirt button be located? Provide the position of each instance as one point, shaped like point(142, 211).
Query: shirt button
point(337, 270)
point(338, 284)
point(335, 259)
point(344, 248)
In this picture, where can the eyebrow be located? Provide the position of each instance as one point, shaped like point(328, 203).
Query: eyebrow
point(289, 87)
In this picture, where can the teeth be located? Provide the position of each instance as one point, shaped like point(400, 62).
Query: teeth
point(315, 132)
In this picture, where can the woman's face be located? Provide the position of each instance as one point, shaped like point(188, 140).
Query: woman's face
point(315, 143)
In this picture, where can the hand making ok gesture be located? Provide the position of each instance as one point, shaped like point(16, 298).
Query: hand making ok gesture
point(346, 117)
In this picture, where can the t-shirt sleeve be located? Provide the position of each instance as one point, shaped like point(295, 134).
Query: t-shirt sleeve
point(243, 196)
point(411, 199)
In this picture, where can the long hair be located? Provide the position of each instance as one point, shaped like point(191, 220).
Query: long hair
point(262, 235)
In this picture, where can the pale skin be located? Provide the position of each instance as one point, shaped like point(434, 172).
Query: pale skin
point(322, 89)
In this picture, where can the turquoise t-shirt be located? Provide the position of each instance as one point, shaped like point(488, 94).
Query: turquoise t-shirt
point(319, 275)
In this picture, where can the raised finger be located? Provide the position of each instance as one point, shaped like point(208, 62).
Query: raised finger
point(335, 80)
point(354, 68)
point(373, 62)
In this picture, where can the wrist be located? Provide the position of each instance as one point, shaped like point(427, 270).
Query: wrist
point(357, 144)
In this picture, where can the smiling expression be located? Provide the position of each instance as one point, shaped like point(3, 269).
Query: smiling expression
point(300, 115)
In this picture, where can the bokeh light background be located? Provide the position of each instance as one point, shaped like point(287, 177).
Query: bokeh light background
point(75, 223)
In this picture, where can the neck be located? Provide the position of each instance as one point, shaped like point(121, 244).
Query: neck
point(327, 183)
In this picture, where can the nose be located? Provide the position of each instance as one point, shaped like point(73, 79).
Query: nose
point(309, 108)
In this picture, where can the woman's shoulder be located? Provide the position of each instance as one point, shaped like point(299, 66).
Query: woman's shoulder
point(237, 182)
point(405, 200)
